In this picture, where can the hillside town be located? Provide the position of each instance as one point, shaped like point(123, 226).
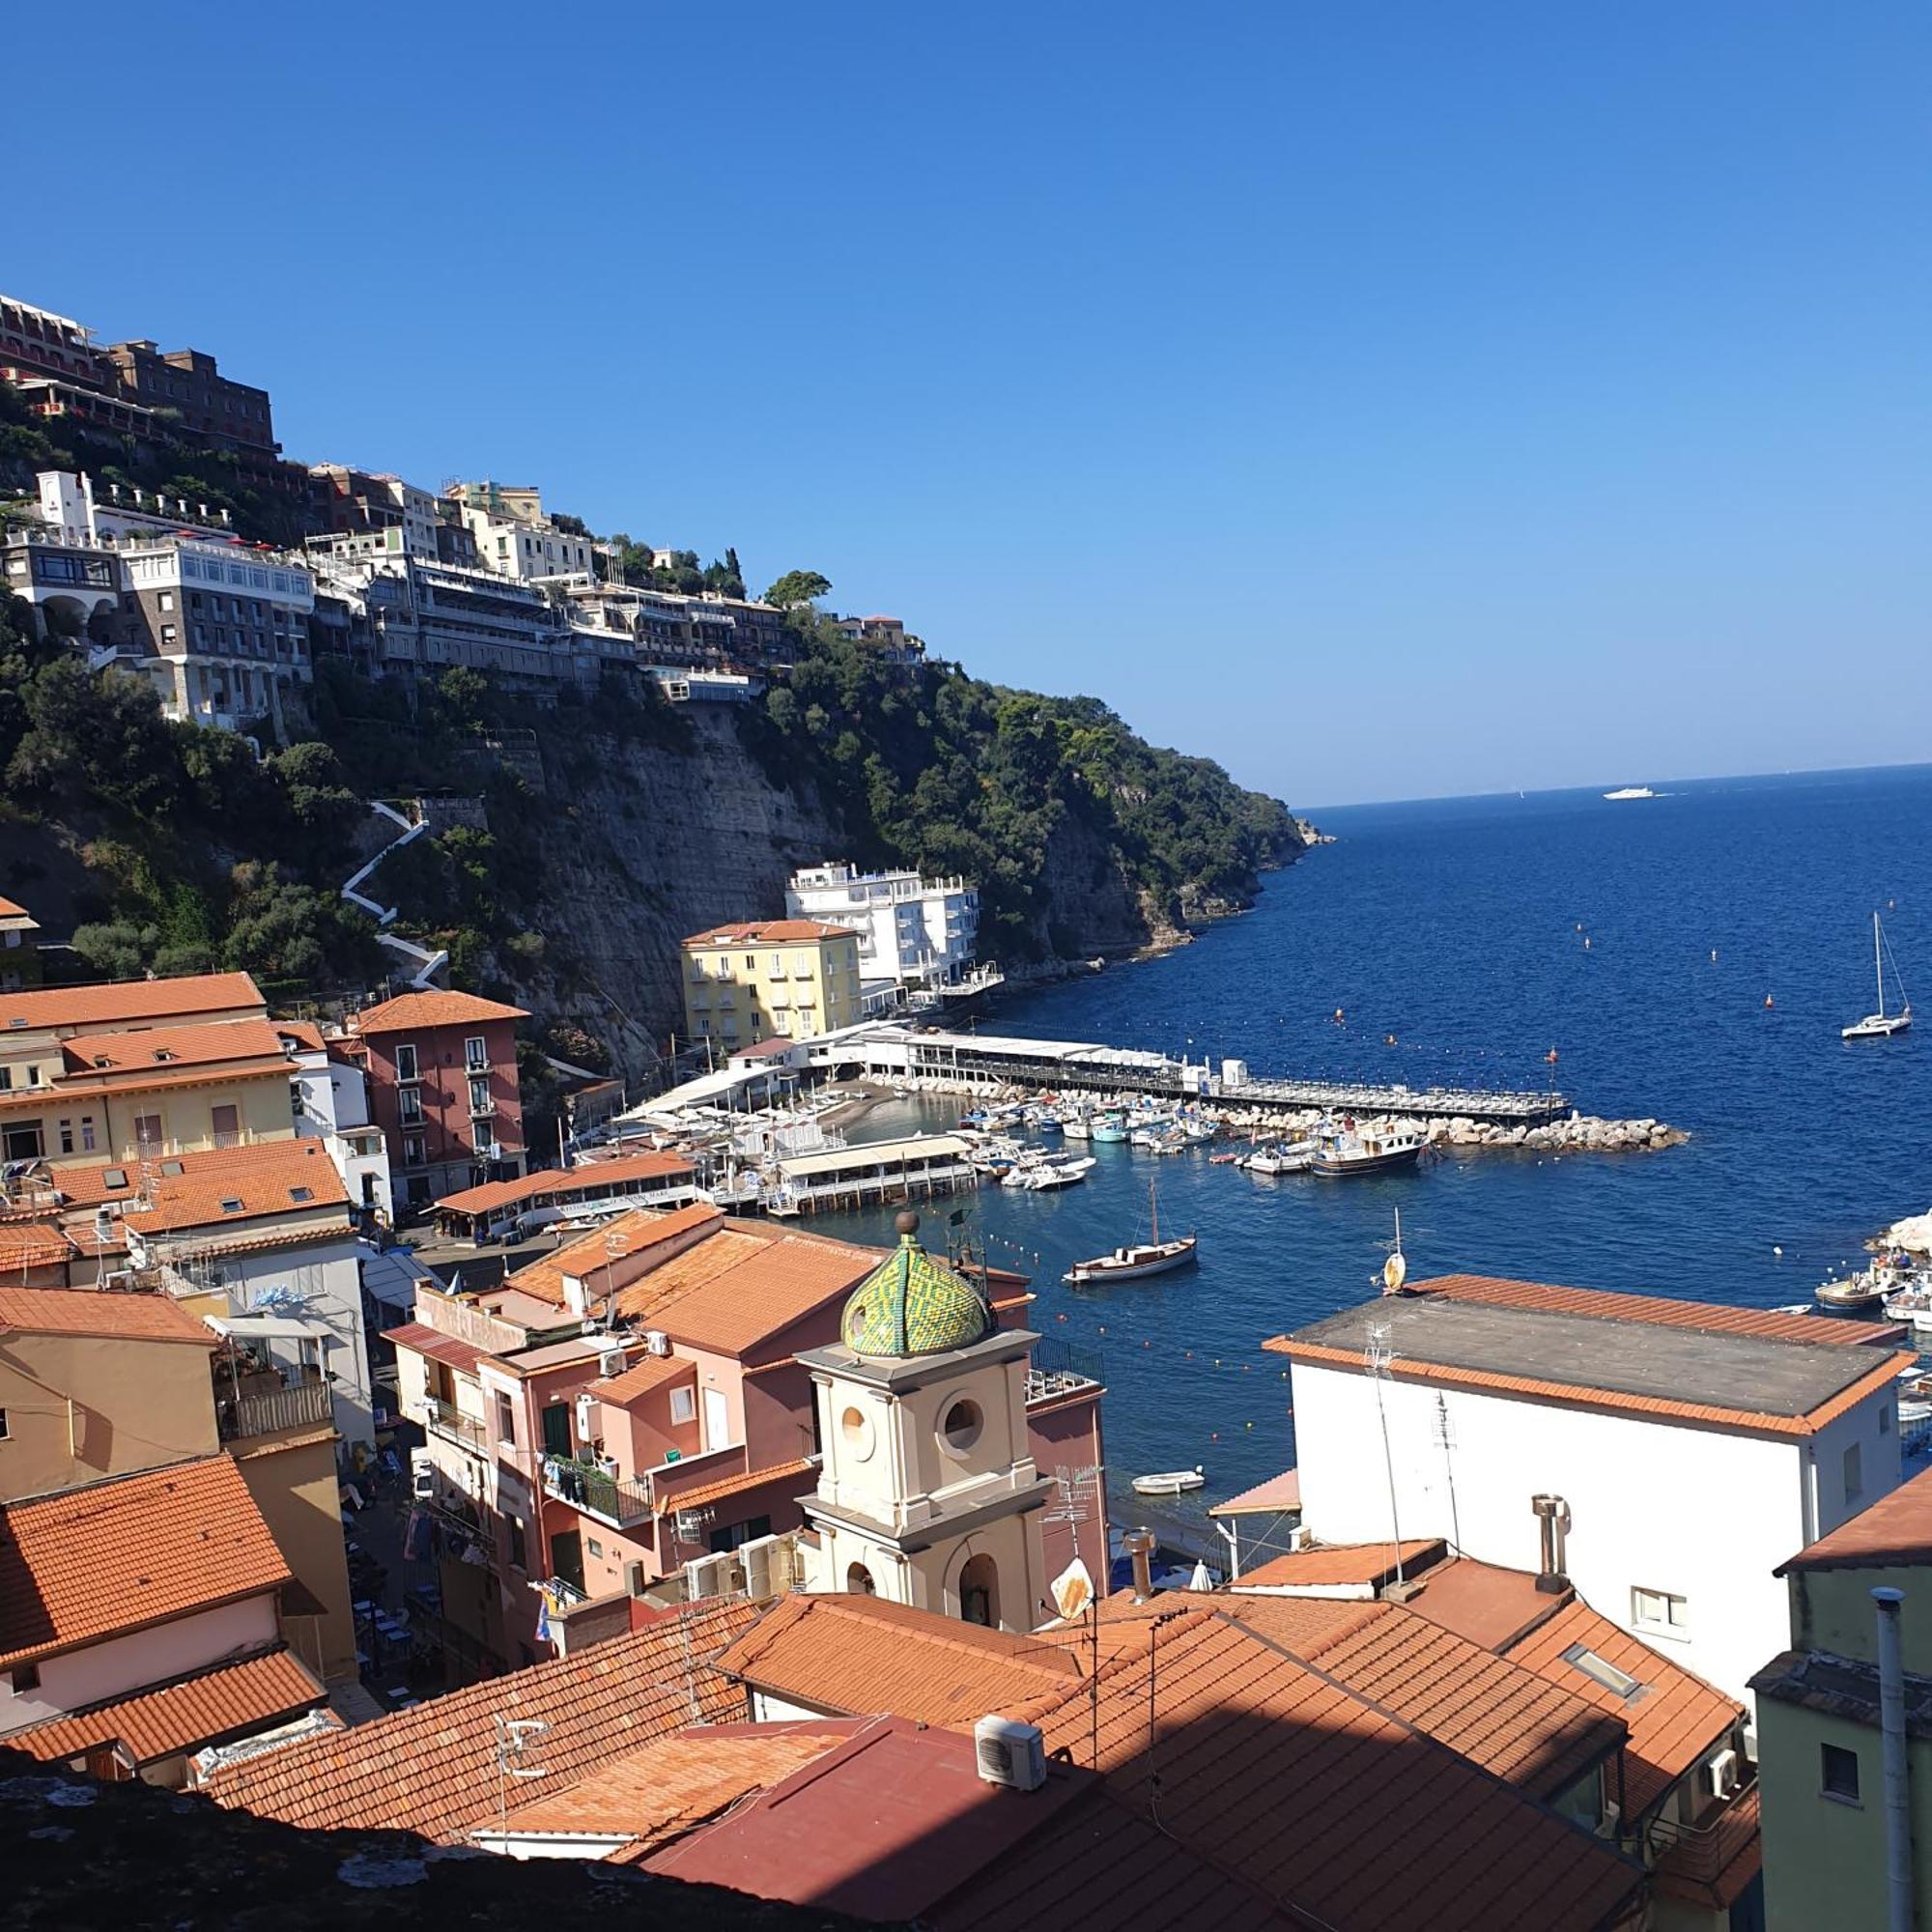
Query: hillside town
point(368, 1464)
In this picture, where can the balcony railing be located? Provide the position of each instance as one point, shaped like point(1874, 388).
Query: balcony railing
point(1061, 1367)
point(586, 1486)
point(306, 1405)
point(1699, 1855)
point(444, 1418)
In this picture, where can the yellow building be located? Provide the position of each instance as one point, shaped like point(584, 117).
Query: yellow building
point(787, 979)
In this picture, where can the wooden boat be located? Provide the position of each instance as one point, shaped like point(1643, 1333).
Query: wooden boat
point(1170, 1482)
point(1358, 1150)
point(1866, 1291)
point(1882, 1025)
point(1135, 1263)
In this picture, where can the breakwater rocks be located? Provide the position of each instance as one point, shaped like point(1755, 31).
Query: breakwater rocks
point(1579, 1134)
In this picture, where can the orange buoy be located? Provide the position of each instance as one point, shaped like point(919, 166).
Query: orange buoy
point(1768, 1000)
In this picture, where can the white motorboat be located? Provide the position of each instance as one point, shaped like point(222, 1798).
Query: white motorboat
point(1077, 1127)
point(1282, 1157)
point(1170, 1482)
point(1371, 1149)
point(1882, 1025)
point(1049, 1171)
point(1911, 1305)
point(1623, 792)
point(1153, 1256)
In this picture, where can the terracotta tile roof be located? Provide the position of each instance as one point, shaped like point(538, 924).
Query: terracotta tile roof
point(1340, 1809)
point(1488, 1605)
point(743, 1308)
point(413, 1013)
point(863, 1655)
point(1608, 1305)
point(123, 1001)
point(674, 1783)
point(80, 1311)
point(562, 1183)
point(653, 1372)
point(304, 1032)
point(127, 1553)
point(1678, 1720)
point(9, 909)
point(420, 1339)
point(736, 1485)
point(1895, 1534)
point(666, 1284)
point(228, 1702)
point(266, 1178)
point(627, 1235)
point(434, 1770)
point(1278, 1493)
point(1370, 1565)
point(32, 1244)
point(176, 1048)
point(770, 932)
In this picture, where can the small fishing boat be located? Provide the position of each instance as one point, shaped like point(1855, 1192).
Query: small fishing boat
point(1865, 1292)
point(1911, 1305)
point(1230, 1159)
point(1882, 1025)
point(1153, 1256)
point(1077, 1127)
point(1106, 1128)
point(1355, 1150)
point(1283, 1158)
point(1170, 1482)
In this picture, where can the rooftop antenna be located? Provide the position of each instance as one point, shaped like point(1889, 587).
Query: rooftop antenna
point(1445, 1433)
point(513, 1744)
point(1379, 1357)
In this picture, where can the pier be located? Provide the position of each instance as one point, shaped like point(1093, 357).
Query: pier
point(988, 1063)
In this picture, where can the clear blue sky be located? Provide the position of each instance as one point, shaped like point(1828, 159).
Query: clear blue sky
point(1387, 399)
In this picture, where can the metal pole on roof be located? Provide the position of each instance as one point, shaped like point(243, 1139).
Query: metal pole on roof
point(1380, 1357)
point(1897, 1761)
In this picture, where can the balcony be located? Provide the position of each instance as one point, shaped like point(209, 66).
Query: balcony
point(305, 1405)
point(1701, 1861)
point(1060, 1369)
point(592, 1489)
point(445, 1419)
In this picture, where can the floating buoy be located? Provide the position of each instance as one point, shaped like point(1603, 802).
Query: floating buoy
point(1768, 1000)
point(1389, 1039)
point(1551, 1056)
point(1713, 956)
point(1775, 1249)
point(1586, 945)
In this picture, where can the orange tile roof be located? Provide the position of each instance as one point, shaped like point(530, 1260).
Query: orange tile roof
point(672, 1784)
point(1608, 1305)
point(80, 1311)
point(784, 1282)
point(32, 1244)
point(863, 1655)
point(1485, 1603)
point(420, 1339)
point(1895, 1533)
point(126, 1000)
point(434, 1770)
point(626, 1236)
point(561, 1183)
point(1678, 1720)
point(11, 909)
point(305, 1031)
point(1279, 1493)
point(1371, 1565)
point(736, 1485)
point(264, 1178)
point(727, 1245)
point(411, 1012)
point(128, 1553)
point(231, 1701)
point(176, 1048)
point(653, 1372)
point(770, 932)
point(1338, 1808)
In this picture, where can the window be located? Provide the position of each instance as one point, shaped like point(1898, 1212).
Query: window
point(1838, 1773)
point(683, 1406)
point(409, 1103)
point(148, 1133)
point(519, 1553)
point(168, 637)
point(486, 1138)
point(506, 1419)
point(67, 1136)
point(477, 1055)
point(479, 1097)
point(227, 1125)
point(405, 1062)
point(23, 1142)
point(415, 1152)
point(1884, 1420)
point(1600, 1670)
point(1854, 1472)
point(167, 600)
point(87, 1133)
point(5, 1432)
point(1660, 1612)
point(961, 1427)
point(595, 1548)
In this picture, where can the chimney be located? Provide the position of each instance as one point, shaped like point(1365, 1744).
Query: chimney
point(1898, 1879)
point(1139, 1544)
point(1552, 1515)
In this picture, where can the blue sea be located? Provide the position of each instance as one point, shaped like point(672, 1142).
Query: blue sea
point(1728, 929)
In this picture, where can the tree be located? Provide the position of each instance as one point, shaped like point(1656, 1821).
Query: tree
point(796, 589)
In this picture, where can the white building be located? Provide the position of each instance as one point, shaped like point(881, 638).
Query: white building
point(332, 1098)
point(1690, 1448)
point(514, 538)
point(912, 931)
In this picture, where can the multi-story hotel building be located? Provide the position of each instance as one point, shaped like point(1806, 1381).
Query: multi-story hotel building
point(776, 978)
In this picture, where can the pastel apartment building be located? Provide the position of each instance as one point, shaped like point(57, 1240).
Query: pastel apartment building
point(913, 932)
point(441, 1070)
point(788, 979)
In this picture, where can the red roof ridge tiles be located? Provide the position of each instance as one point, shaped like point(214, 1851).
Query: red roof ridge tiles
point(541, 1182)
point(407, 1011)
point(90, 1312)
point(127, 1553)
point(734, 1484)
point(60, 1006)
point(1895, 1533)
point(432, 1770)
point(211, 1044)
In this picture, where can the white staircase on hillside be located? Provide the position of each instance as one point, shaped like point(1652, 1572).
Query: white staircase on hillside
point(427, 964)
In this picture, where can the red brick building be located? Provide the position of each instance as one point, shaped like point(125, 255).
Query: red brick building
point(442, 1086)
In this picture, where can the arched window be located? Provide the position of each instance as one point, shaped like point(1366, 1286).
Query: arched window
point(979, 1592)
point(859, 1581)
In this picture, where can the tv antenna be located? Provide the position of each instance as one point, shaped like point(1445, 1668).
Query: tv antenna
point(1445, 1433)
point(1380, 1359)
point(513, 1745)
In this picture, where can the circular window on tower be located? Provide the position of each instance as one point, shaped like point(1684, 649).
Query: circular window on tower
point(855, 1428)
point(961, 1426)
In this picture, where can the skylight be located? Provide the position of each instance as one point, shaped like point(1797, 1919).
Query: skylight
point(1600, 1670)
point(115, 1177)
point(231, 1206)
point(301, 1193)
point(172, 1168)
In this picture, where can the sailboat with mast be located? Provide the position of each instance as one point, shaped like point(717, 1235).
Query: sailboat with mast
point(1153, 1256)
point(1882, 1025)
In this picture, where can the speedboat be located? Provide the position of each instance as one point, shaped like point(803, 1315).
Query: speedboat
point(1358, 1150)
point(1170, 1482)
point(1282, 1157)
point(1882, 1025)
point(1623, 792)
point(1045, 1174)
point(1911, 1305)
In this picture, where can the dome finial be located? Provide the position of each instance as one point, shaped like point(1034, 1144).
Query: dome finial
point(907, 1223)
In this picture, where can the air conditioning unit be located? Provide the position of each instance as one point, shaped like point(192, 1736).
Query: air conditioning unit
point(1723, 1772)
point(712, 1575)
point(657, 1340)
point(423, 1475)
point(609, 1362)
point(768, 1568)
point(1009, 1753)
point(587, 1414)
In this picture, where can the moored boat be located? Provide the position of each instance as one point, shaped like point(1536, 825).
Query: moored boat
point(1882, 1025)
point(1170, 1482)
point(1106, 1128)
point(1354, 1150)
point(1150, 1257)
point(1865, 1292)
point(1283, 1158)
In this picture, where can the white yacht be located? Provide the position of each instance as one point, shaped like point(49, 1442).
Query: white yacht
point(1629, 792)
point(1882, 1025)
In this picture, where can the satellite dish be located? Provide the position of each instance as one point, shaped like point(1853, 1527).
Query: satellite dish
point(1394, 1271)
point(1072, 1590)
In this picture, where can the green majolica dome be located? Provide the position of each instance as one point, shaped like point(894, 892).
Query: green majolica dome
point(913, 1305)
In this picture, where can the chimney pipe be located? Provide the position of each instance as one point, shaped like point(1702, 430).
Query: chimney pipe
point(1139, 1544)
point(1898, 1772)
point(1552, 1515)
